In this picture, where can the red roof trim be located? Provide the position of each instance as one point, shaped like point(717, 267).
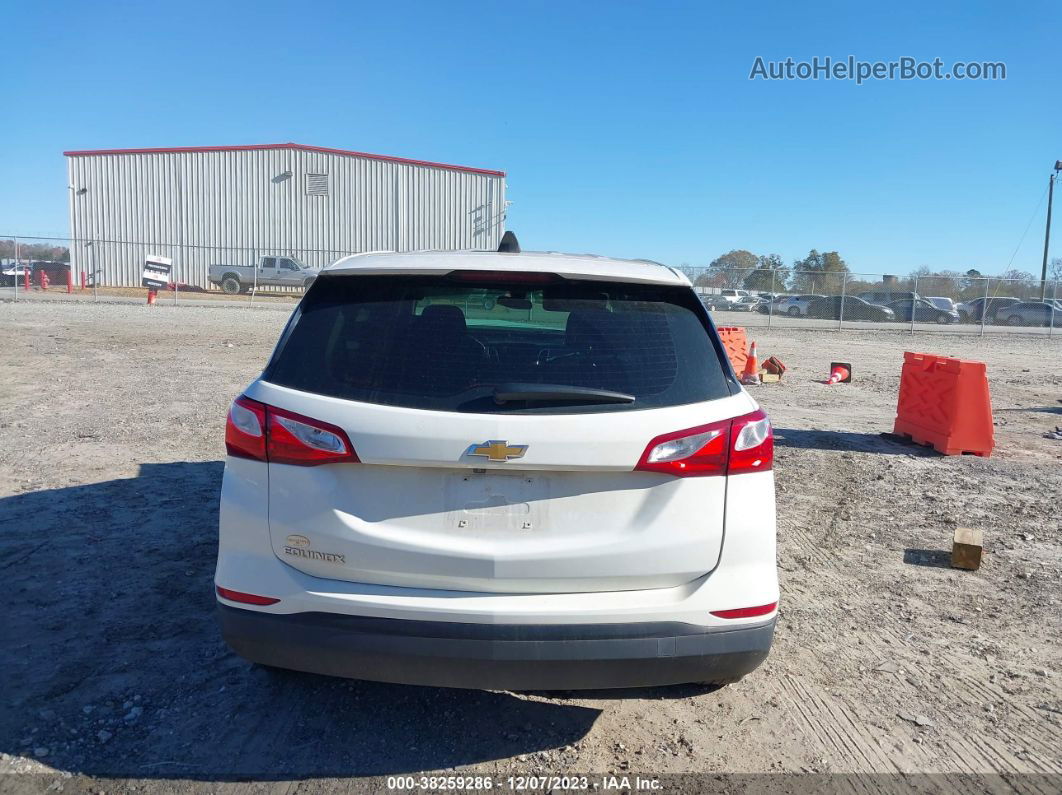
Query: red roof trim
point(302, 147)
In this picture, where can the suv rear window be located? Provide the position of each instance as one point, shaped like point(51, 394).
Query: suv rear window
point(435, 343)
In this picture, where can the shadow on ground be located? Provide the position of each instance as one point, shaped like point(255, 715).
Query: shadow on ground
point(932, 558)
point(1039, 409)
point(113, 666)
point(885, 443)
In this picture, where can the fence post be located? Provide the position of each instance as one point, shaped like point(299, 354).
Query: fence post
point(15, 270)
point(984, 308)
point(914, 292)
point(770, 306)
point(844, 293)
point(95, 273)
point(254, 264)
point(1054, 312)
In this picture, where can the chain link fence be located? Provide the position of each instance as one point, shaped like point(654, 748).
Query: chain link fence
point(113, 267)
point(741, 297)
point(814, 299)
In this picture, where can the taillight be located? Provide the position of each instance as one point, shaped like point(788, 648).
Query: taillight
point(694, 451)
point(303, 441)
point(266, 433)
point(503, 277)
point(729, 447)
point(753, 447)
point(245, 429)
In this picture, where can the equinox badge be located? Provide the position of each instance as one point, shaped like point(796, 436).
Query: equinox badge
point(495, 450)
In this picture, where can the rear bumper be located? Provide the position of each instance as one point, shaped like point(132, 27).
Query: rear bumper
point(496, 656)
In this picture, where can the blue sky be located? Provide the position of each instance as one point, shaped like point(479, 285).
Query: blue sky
point(629, 129)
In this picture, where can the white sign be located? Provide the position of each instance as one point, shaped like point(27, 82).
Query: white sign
point(156, 272)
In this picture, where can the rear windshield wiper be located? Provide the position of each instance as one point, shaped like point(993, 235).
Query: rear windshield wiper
point(504, 393)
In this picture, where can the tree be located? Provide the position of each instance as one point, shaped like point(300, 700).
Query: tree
point(1015, 283)
point(730, 269)
point(1054, 270)
point(34, 251)
point(819, 272)
point(951, 284)
point(771, 275)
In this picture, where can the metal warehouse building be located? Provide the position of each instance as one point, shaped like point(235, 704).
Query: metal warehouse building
point(234, 204)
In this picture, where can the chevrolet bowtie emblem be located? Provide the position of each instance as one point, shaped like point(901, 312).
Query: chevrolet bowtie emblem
point(495, 450)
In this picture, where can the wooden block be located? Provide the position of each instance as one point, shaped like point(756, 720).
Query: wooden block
point(966, 549)
point(770, 378)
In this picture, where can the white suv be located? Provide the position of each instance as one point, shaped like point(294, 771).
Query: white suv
point(502, 471)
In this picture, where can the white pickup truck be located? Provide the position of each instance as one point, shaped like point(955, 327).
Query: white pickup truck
point(282, 271)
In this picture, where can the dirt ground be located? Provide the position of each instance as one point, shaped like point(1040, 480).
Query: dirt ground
point(886, 660)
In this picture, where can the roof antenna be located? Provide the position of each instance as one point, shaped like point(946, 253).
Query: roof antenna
point(509, 244)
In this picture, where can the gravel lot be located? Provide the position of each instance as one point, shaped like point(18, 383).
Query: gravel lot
point(886, 661)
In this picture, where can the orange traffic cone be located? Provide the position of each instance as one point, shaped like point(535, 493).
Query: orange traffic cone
point(152, 295)
point(840, 373)
point(752, 367)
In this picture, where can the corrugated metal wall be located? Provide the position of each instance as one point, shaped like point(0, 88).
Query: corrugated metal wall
point(204, 207)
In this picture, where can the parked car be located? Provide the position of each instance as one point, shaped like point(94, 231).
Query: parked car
point(971, 311)
point(886, 297)
point(57, 272)
point(280, 271)
point(770, 306)
point(943, 302)
point(732, 296)
point(1031, 313)
point(14, 274)
point(713, 302)
point(795, 305)
point(854, 309)
point(409, 497)
point(923, 311)
point(746, 303)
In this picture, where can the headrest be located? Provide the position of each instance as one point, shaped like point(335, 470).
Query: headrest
point(444, 319)
point(586, 327)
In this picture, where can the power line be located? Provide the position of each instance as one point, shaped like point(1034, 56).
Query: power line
point(1027, 226)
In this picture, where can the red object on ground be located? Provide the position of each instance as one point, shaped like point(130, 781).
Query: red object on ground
point(152, 295)
point(751, 373)
point(773, 364)
point(944, 402)
point(736, 344)
point(43, 279)
point(25, 279)
point(840, 373)
point(84, 279)
point(69, 281)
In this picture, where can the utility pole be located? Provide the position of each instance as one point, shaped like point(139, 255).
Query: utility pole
point(1047, 230)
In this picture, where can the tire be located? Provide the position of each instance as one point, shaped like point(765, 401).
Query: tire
point(1015, 320)
point(230, 285)
point(793, 311)
point(306, 284)
point(964, 317)
point(943, 320)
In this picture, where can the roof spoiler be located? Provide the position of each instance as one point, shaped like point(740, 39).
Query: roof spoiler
point(509, 244)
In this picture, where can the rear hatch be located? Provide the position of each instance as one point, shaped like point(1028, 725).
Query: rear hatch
point(479, 431)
